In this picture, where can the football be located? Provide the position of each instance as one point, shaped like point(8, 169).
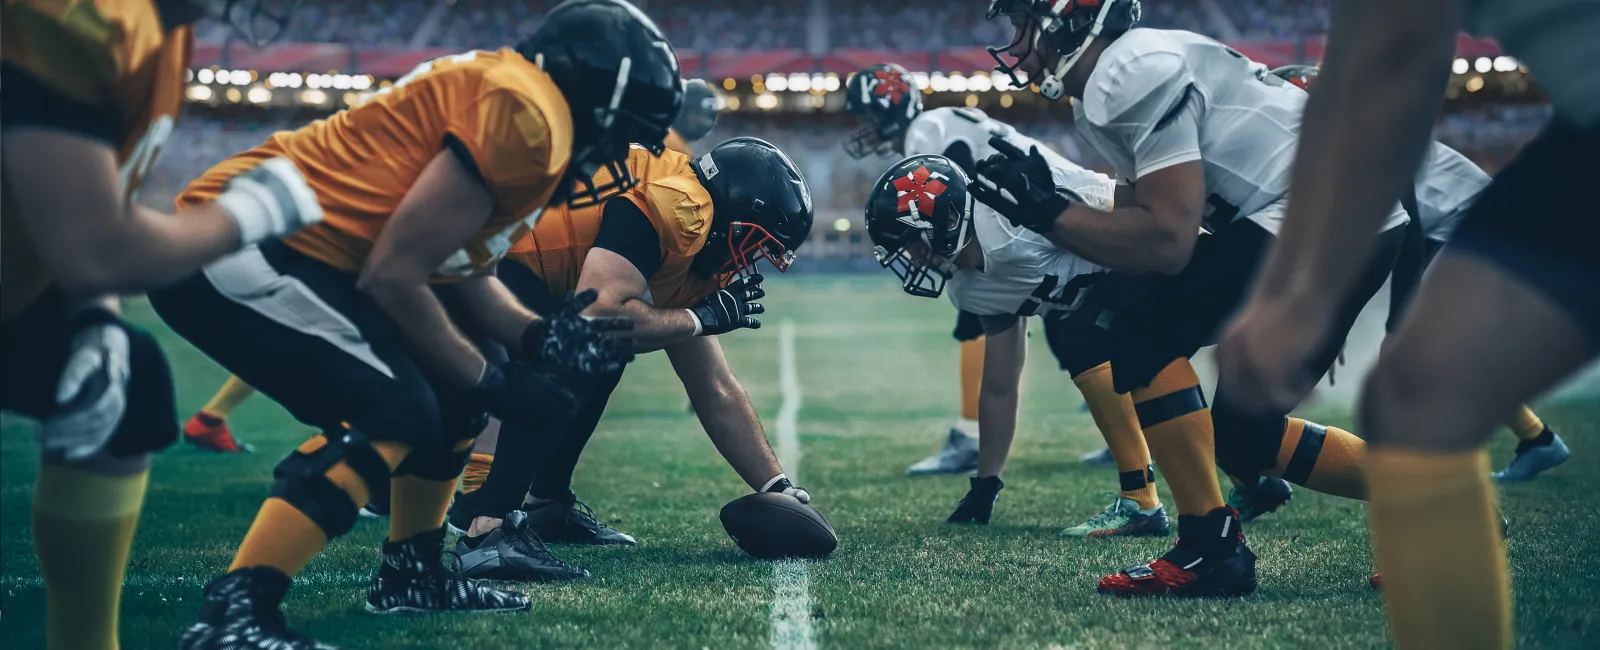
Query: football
point(772, 525)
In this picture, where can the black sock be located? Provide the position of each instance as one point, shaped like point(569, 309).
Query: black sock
point(1543, 440)
point(553, 480)
point(473, 542)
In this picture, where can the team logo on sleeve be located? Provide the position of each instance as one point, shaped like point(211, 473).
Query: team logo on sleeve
point(889, 85)
point(918, 190)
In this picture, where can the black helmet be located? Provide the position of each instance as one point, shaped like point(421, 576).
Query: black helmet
point(700, 107)
point(621, 79)
point(1300, 75)
point(922, 199)
point(886, 98)
point(1058, 28)
point(256, 22)
point(760, 207)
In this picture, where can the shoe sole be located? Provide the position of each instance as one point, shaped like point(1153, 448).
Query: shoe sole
point(1107, 535)
point(597, 543)
point(1229, 590)
point(1502, 477)
point(506, 575)
point(371, 609)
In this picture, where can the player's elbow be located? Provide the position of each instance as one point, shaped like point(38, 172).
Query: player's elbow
point(1169, 253)
point(379, 281)
point(90, 275)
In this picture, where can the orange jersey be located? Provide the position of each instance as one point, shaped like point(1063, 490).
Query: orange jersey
point(507, 113)
point(669, 195)
point(113, 55)
point(675, 142)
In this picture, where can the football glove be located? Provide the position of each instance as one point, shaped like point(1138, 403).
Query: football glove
point(526, 395)
point(571, 342)
point(1020, 187)
point(92, 393)
point(978, 505)
point(269, 200)
point(730, 308)
point(780, 483)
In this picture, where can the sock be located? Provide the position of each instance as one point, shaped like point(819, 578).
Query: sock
point(1326, 459)
point(476, 473)
point(83, 524)
point(1184, 446)
point(417, 506)
point(971, 379)
point(1527, 426)
point(228, 398)
point(1437, 538)
point(1119, 424)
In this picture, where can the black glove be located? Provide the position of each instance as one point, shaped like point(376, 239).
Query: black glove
point(526, 395)
point(730, 308)
point(976, 507)
point(1031, 199)
point(571, 342)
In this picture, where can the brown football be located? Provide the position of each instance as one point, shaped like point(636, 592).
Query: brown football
point(772, 525)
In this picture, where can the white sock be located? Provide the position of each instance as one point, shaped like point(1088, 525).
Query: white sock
point(969, 427)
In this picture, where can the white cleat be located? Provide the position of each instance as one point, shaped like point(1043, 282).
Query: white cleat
point(959, 456)
point(1533, 460)
point(1100, 458)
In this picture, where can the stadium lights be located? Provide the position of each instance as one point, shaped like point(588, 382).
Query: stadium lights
point(799, 82)
point(1460, 66)
point(972, 101)
point(938, 82)
point(729, 84)
point(313, 97)
point(733, 103)
point(777, 82)
point(1504, 64)
point(831, 82)
point(259, 95)
point(199, 93)
point(1474, 84)
point(1483, 64)
point(841, 224)
point(205, 75)
point(980, 83)
point(766, 101)
point(233, 95)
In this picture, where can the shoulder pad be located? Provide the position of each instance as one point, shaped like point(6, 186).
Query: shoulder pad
point(680, 209)
point(1139, 78)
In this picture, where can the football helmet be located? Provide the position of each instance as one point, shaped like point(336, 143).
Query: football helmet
point(885, 99)
point(919, 216)
point(1058, 30)
point(621, 79)
point(760, 207)
point(1300, 75)
point(701, 105)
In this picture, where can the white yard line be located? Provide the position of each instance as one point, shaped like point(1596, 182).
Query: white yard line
point(791, 580)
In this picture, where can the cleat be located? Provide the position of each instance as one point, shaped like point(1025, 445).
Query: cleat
point(1100, 458)
point(978, 504)
point(209, 432)
point(240, 612)
point(1268, 495)
point(412, 578)
point(1123, 518)
point(375, 509)
point(1376, 581)
point(1221, 565)
point(959, 456)
point(1534, 459)
point(572, 522)
point(513, 552)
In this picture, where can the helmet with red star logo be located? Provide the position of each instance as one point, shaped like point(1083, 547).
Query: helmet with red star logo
point(884, 98)
point(1300, 75)
point(919, 217)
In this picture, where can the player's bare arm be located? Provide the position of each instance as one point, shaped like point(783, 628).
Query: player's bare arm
point(441, 212)
point(622, 292)
point(724, 409)
point(502, 317)
point(1003, 358)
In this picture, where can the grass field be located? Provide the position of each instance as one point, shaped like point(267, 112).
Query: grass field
point(876, 372)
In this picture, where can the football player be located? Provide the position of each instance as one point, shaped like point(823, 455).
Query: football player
point(1201, 139)
point(1446, 185)
point(346, 324)
point(925, 229)
point(1509, 309)
point(701, 106)
point(677, 255)
point(92, 88)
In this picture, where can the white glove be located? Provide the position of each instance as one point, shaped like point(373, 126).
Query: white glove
point(269, 200)
point(92, 393)
point(780, 483)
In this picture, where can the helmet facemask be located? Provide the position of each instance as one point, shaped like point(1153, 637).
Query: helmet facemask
point(748, 244)
point(1049, 34)
point(942, 237)
point(884, 105)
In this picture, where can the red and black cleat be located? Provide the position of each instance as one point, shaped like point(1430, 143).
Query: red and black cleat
point(1376, 581)
point(1209, 560)
point(211, 433)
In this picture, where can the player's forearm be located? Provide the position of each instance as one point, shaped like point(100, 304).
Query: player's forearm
point(145, 250)
point(653, 328)
point(1131, 239)
point(730, 421)
point(497, 310)
point(1365, 131)
point(428, 330)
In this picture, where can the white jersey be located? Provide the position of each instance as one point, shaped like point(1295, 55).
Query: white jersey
point(1159, 98)
point(1446, 186)
point(1555, 40)
point(1023, 273)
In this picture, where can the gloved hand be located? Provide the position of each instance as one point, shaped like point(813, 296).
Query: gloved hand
point(92, 393)
point(1020, 187)
point(527, 395)
point(978, 504)
point(730, 308)
point(780, 483)
point(571, 342)
point(269, 200)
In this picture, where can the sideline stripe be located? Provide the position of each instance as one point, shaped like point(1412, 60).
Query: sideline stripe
point(791, 579)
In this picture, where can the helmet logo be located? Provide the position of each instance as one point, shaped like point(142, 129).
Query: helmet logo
point(918, 190)
point(889, 85)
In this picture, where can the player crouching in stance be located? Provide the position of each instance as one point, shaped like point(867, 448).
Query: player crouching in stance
point(424, 188)
point(926, 229)
point(677, 255)
point(1201, 138)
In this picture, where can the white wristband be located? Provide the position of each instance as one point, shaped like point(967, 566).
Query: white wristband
point(697, 326)
point(250, 213)
point(771, 482)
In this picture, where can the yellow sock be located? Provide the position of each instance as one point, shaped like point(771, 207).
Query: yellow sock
point(1330, 461)
point(83, 525)
point(1119, 425)
point(476, 473)
point(232, 393)
point(1437, 540)
point(1525, 424)
point(971, 377)
point(1184, 446)
point(417, 505)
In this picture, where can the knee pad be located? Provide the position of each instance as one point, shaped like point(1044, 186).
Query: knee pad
point(150, 421)
point(1247, 445)
point(441, 464)
point(301, 481)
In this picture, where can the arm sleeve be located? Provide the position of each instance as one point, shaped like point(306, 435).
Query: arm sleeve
point(27, 101)
point(626, 231)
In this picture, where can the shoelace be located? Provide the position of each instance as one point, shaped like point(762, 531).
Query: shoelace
point(532, 545)
point(1110, 513)
point(581, 513)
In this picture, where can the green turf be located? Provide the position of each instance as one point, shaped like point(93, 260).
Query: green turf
point(877, 371)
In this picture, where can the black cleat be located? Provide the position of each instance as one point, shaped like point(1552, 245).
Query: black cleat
point(572, 522)
point(978, 504)
point(412, 578)
point(1267, 496)
point(513, 552)
point(240, 612)
point(460, 518)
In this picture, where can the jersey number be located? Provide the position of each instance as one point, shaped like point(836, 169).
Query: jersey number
point(1067, 297)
